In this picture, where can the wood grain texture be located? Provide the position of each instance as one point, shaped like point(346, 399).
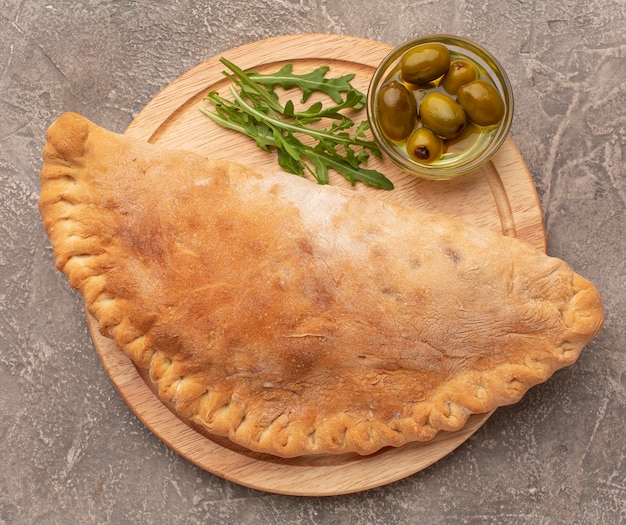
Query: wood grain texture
point(501, 196)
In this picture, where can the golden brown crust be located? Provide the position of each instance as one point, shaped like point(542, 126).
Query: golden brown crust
point(297, 319)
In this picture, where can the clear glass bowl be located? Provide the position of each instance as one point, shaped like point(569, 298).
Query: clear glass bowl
point(477, 144)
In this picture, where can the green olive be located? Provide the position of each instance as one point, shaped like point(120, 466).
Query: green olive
point(461, 72)
point(397, 111)
point(482, 102)
point(424, 63)
point(424, 146)
point(442, 115)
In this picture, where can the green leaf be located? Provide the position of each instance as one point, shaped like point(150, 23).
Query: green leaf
point(255, 110)
point(372, 178)
point(307, 83)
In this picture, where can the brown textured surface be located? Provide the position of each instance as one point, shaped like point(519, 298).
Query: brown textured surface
point(296, 319)
point(77, 454)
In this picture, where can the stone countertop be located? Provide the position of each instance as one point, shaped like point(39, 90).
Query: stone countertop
point(71, 450)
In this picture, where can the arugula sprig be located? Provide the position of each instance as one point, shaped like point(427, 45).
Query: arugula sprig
point(256, 111)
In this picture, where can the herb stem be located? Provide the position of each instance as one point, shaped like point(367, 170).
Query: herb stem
point(256, 111)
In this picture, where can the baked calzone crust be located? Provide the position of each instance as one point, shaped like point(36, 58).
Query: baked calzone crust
point(299, 319)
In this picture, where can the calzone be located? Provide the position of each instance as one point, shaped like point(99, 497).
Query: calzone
point(296, 319)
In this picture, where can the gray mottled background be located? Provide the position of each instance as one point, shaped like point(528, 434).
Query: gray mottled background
point(70, 449)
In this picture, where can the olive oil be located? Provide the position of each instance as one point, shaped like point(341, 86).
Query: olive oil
point(470, 139)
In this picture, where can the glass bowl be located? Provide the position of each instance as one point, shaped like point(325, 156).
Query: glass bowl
point(476, 144)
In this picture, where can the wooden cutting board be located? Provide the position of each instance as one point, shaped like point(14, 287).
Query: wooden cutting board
point(500, 197)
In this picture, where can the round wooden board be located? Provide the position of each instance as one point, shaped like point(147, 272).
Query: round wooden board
point(500, 197)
